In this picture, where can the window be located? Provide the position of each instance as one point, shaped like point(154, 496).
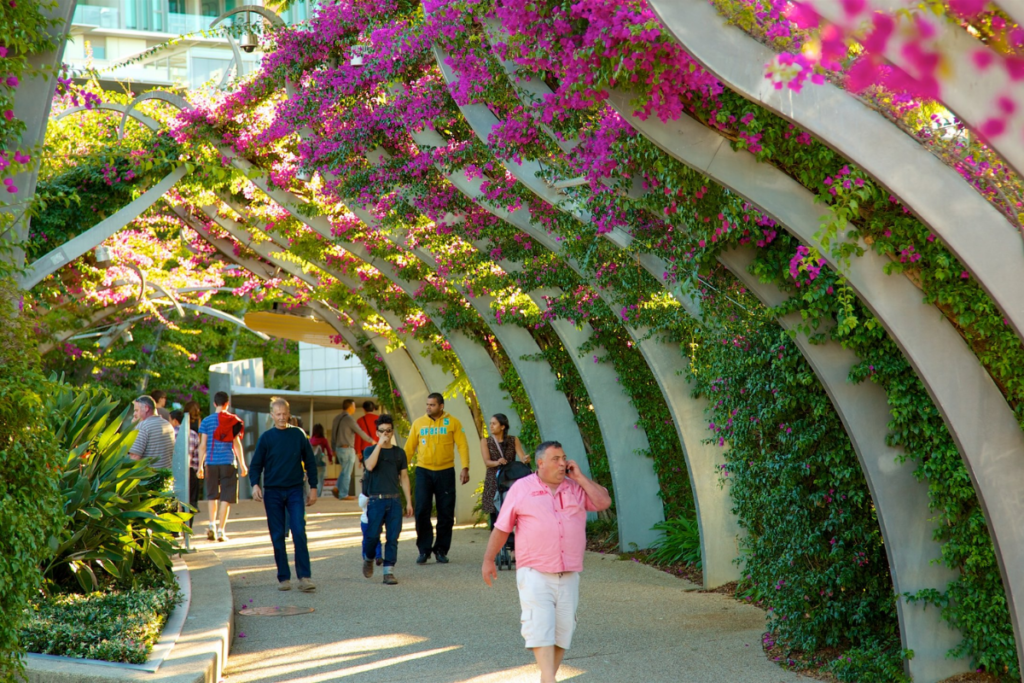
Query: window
point(96, 48)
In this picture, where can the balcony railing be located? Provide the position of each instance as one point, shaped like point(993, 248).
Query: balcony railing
point(112, 17)
point(104, 17)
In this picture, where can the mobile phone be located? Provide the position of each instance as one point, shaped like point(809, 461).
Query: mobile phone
point(569, 469)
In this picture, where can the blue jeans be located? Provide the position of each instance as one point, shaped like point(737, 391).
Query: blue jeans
point(347, 460)
point(380, 548)
point(383, 513)
point(276, 501)
point(320, 472)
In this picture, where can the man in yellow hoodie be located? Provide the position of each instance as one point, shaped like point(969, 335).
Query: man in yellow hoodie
point(431, 445)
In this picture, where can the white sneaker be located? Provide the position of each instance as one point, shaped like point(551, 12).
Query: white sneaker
point(211, 532)
point(221, 536)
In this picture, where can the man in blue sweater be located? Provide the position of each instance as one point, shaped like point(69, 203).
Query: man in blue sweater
point(281, 454)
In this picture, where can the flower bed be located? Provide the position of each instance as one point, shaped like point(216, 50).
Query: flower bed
point(114, 626)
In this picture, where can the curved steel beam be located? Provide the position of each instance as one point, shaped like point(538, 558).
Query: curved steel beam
point(973, 229)
point(638, 505)
point(901, 500)
point(147, 121)
point(97, 234)
point(969, 91)
point(480, 369)
point(161, 95)
point(410, 383)
point(978, 417)
point(555, 419)
point(434, 375)
point(274, 20)
point(32, 102)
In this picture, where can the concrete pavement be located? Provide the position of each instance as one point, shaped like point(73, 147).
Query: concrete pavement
point(441, 624)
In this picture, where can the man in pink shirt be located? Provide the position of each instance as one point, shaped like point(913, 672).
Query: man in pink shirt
point(548, 511)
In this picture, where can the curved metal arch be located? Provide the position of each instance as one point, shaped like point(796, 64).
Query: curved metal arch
point(398, 362)
point(897, 493)
point(973, 229)
point(96, 235)
point(270, 16)
point(638, 505)
point(147, 121)
point(432, 374)
point(978, 417)
point(320, 225)
point(275, 20)
point(480, 369)
point(901, 500)
point(207, 310)
point(160, 95)
point(555, 418)
point(970, 92)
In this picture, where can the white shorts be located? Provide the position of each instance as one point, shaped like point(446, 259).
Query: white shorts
point(549, 604)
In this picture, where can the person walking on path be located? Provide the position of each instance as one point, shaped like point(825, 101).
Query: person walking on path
point(497, 451)
point(368, 423)
point(387, 469)
point(548, 511)
point(155, 439)
point(343, 434)
point(432, 442)
point(221, 461)
point(177, 417)
point(282, 453)
point(159, 397)
point(325, 455)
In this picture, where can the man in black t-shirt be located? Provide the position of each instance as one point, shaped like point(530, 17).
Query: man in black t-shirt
point(387, 472)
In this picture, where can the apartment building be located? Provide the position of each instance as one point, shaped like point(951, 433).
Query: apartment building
point(106, 34)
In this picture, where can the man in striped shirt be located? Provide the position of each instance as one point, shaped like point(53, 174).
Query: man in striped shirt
point(221, 460)
point(155, 439)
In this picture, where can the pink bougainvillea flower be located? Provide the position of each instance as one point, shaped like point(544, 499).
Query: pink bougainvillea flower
point(802, 15)
point(993, 128)
point(12, 81)
point(862, 74)
point(967, 8)
point(982, 59)
point(853, 7)
point(882, 30)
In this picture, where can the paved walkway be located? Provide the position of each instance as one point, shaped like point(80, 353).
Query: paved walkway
point(441, 624)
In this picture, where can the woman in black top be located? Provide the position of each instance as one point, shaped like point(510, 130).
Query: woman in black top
point(498, 450)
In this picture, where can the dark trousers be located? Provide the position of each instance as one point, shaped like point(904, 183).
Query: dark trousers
point(276, 501)
point(194, 483)
point(382, 513)
point(431, 485)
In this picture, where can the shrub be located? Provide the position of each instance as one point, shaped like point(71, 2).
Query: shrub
point(679, 542)
point(119, 626)
point(30, 510)
point(112, 503)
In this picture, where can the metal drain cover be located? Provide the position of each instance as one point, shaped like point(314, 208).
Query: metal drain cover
point(277, 611)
